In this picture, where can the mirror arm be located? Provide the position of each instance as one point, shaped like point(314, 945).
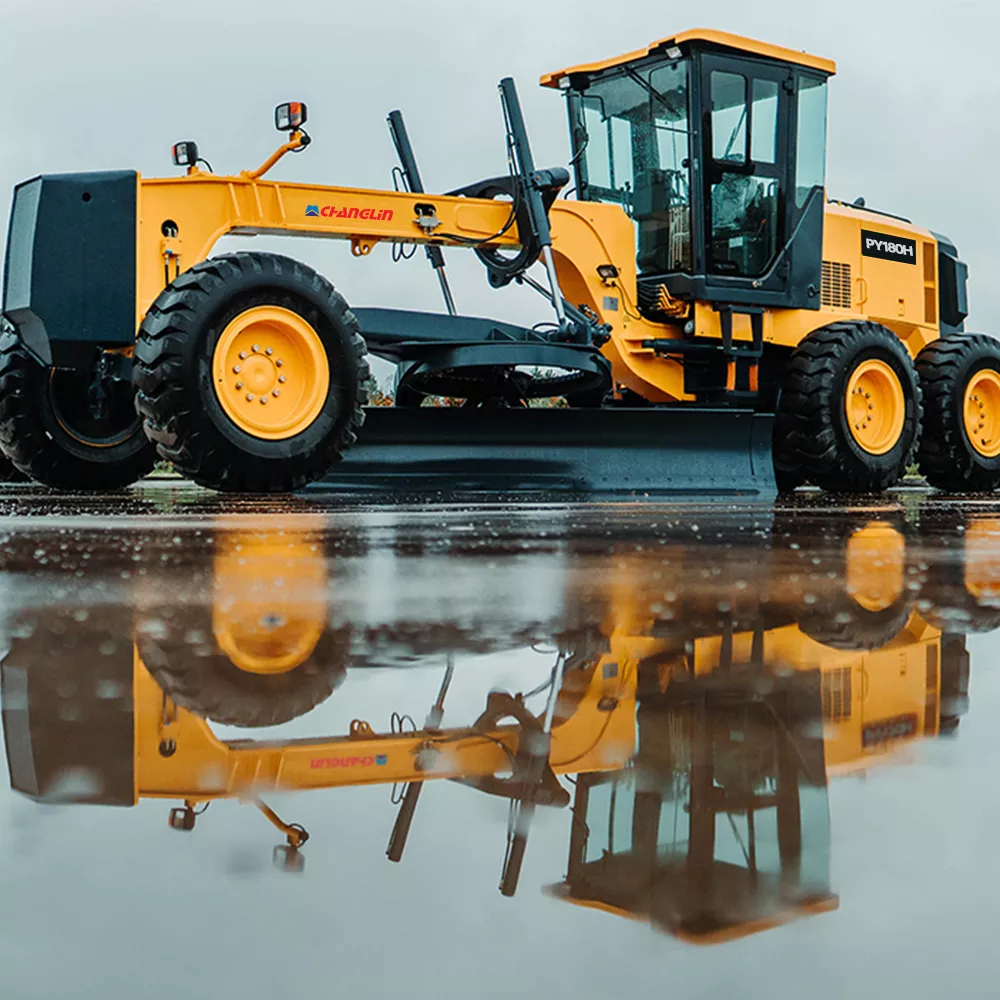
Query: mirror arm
point(297, 141)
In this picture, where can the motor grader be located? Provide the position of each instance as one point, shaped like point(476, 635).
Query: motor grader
point(711, 306)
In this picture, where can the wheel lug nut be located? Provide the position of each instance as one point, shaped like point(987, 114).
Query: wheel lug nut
point(249, 397)
point(276, 393)
point(243, 355)
point(236, 369)
point(281, 378)
point(279, 362)
point(269, 351)
point(239, 385)
point(263, 400)
point(255, 348)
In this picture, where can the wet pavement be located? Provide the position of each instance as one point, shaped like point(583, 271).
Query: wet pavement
point(632, 748)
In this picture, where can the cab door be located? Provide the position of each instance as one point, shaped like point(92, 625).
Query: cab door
point(746, 156)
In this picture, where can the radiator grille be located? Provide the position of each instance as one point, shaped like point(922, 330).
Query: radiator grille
point(837, 694)
point(836, 285)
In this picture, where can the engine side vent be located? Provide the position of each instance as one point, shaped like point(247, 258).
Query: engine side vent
point(835, 289)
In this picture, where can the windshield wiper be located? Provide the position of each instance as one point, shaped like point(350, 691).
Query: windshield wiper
point(648, 87)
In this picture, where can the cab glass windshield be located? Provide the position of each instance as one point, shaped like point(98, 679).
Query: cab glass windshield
point(637, 155)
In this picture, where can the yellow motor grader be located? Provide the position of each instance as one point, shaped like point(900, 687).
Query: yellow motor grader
point(716, 319)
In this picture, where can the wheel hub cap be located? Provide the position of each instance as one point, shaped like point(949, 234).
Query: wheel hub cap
point(270, 372)
point(876, 566)
point(981, 412)
point(875, 406)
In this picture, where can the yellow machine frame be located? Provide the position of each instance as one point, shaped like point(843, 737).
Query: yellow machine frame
point(201, 208)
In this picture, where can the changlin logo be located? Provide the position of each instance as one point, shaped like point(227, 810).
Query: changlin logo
point(350, 212)
point(378, 760)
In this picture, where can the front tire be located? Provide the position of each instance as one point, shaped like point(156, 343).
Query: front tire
point(56, 430)
point(206, 681)
point(960, 445)
point(851, 404)
point(251, 374)
point(9, 472)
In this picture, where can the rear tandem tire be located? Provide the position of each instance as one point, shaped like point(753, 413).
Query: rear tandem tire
point(947, 457)
point(48, 433)
point(176, 372)
point(814, 400)
point(788, 472)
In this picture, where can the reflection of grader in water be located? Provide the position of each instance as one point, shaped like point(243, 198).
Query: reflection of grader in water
point(685, 688)
point(719, 826)
point(129, 740)
point(254, 647)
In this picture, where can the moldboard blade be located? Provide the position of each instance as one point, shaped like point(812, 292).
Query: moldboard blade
point(657, 451)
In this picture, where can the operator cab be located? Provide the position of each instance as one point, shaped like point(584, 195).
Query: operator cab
point(715, 146)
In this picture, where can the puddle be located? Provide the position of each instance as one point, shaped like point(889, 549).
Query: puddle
point(528, 746)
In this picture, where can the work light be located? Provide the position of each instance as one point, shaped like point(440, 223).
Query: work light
point(184, 154)
point(291, 116)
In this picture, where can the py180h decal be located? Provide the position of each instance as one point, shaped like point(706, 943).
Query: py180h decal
point(896, 248)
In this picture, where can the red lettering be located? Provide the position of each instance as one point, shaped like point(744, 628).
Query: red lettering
point(366, 761)
point(342, 214)
point(352, 214)
point(326, 210)
point(366, 213)
point(387, 214)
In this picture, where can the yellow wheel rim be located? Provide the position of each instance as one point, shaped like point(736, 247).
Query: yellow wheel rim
point(271, 373)
point(876, 566)
point(981, 412)
point(269, 597)
point(875, 406)
point(982, 572)
point(268, 646)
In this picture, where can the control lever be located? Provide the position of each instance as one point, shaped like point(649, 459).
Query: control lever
point(408, 165)
point(535, 753)
point(407, 808)
point(517, 133)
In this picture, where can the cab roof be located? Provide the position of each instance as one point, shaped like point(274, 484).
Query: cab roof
point(721, 39)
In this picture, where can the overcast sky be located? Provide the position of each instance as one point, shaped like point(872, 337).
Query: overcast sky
point(113, 83)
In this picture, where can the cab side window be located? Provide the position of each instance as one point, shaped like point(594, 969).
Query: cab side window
point(810, 142)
